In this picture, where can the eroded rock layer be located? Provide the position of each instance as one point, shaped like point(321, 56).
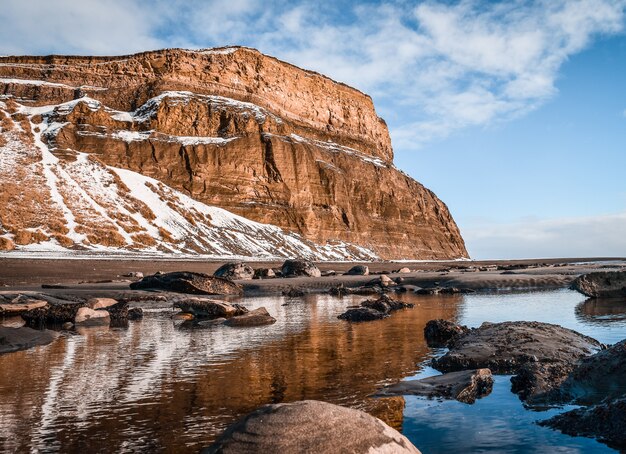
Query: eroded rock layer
point(235, 129)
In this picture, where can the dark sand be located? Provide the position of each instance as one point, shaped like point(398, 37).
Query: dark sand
point(105, 277)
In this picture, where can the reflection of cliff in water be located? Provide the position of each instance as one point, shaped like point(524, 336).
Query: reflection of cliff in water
point(602, 310)
point(156, 387)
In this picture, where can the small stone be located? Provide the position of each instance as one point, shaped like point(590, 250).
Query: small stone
point(256, 317)
point(101, 303)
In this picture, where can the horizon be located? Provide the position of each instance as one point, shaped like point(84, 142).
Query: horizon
point(525, 151)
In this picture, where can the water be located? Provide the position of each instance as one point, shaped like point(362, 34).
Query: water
point(156, 386)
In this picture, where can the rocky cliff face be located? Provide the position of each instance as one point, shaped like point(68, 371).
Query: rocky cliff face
point(229, 128)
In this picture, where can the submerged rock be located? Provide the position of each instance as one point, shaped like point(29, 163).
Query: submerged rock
point(386, 304)
point(256, 317)
point(15, 339)
point(362, 314)
point(358, 270)
point(465, 386)
point(601, 284)
point(235, 271)
point(312, 427)
point(606, 422)
point(374, 309)
point(188, 282)
point(293, 293)
point(135, 313)
point(295, 268)
point(201, 307)
point(438, 333)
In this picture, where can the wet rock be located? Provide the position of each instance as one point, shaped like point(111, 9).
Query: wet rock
point(598, 377)
point(256, 317)
point(264, 273)
point(101, 303)
point(184, 316)
point(606, 422)
point(339, 290)
point(188, 282)
point(358, 270)
point(404, 270)
point(52, 314)
point(536, 382)
point(438, 333)
point(88, 317)
point(386, 304)
point(362, 314)
point(312, 427)
point(295, 268)
point(201, 307)
point(465, 386)
point(135, 313)
point(118, 311)
point(15, 339)
point(209, 323)
point(601, 284)
point(20, 306)
point(235, 271)
point(385, 281)
point(293, 293)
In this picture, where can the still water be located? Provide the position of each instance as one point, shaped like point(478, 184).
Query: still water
point(157, 386)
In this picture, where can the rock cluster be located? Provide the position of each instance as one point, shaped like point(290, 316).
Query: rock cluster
point(188, 282)
point(374, 309)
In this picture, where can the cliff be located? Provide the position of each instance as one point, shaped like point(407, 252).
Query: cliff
point(229, 128)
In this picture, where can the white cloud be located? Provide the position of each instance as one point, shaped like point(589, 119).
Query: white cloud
point(598, 236)
point(437, 67)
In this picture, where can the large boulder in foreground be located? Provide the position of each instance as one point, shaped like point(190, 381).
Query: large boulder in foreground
point(600, 284)
point(188, 282)
point(296, 268)
point(15, 339)
point(313, 427)
point(605, 422)
point(465, 386)
point(541, 354)
point(235, 271)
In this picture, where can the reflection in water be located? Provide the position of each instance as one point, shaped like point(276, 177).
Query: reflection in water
point(156, 387)
point(602, 310)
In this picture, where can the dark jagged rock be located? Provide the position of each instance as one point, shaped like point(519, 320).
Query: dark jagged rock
point(606, 422)
point(311, 427)
point(52, 314)
point(541, 354)
point(15, 339)
point(256, 317)
point(201, 307)
point(188, 282)
point(362, 314)
point(606, 284)
point(135, 313)
point(439, 332)
point(118, 312)
point(295, 268)
point(358, 270)
point(386, 304)
point(339, 290)
point(235, 271)
point(465, 386)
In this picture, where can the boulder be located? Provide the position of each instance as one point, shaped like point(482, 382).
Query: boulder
point(118, 311)
point(362, 314)
point(256, 317)
point(465, 386)
point(264, 273)
point(601, 284)
point(100, 303)
point(598, 377)
point(404, 270)
point(88, 317)
point(15, 339)
point(295, 268)
point(439, 332)
point(358, 270)
point(52, 314)
point(386, 304)
point(541, 354)
point(606, 422)
point(201, 307)
point(312, 427)
point(235, 271)
point(188, 282)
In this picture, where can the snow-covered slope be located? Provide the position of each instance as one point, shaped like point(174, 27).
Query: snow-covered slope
point(68, 201)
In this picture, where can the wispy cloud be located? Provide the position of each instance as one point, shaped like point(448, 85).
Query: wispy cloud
point(598, 236)
point(432, 67)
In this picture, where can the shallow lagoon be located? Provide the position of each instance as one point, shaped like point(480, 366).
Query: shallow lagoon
point(159, 386)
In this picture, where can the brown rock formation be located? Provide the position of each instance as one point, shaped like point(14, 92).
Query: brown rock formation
point(243, 131)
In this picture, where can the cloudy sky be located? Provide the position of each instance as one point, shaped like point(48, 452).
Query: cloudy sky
point(513, 112)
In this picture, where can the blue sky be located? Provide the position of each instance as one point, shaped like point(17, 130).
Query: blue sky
point(514, 112)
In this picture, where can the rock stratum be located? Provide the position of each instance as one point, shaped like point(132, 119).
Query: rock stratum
point(224, 152)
